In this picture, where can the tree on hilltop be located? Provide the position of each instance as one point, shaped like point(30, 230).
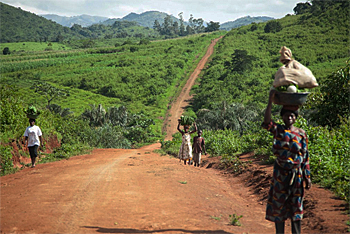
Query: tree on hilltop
point(302, 8)
point(212, 26)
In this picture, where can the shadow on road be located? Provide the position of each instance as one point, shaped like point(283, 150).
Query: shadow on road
point(127, 230)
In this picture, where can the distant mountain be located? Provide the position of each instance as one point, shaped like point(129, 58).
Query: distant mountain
point(145, 19)
point(244, 21)
point(82, 20)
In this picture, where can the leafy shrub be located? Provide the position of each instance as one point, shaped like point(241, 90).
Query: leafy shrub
point(6, 163)
point(330, 156)
point(334, 98)
point(273, 26)
point(6, 51)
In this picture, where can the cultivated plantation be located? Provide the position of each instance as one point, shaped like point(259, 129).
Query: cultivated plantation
point(117, 92)
point(123, 91)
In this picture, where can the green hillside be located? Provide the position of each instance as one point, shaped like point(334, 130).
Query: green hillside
point(230, 99)
point(318, 40)
point(20, 26)
point(146, 19)
point(121, 91)
point(244, 21)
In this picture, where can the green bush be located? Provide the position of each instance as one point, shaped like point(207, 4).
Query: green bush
point(6, 163)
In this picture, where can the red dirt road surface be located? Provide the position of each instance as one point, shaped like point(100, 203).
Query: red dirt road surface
point(125, 191)
point(139, 191)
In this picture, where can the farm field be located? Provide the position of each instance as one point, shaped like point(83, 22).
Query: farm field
point(114, 105)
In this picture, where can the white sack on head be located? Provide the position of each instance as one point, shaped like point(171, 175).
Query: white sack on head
point(293, 72)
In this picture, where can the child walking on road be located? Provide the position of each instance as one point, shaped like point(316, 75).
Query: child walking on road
point(198, 148)
point(33, 140)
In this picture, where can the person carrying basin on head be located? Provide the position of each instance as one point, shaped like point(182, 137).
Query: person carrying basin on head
point(185, 152)
point(33, 140)
point(291, 169)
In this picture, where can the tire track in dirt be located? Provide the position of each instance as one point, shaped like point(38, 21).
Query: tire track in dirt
point(94, 183)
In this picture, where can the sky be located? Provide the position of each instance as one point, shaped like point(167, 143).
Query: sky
point(209, 10)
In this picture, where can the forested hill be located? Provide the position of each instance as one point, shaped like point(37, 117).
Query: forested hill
point(18, 26)
point(22, 26)
point(244, 21)
point(145, 19)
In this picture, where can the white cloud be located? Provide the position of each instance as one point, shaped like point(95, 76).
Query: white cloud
point(209, 10)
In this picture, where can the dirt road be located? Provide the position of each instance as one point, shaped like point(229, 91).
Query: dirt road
point(125, 191)
point(182, 101)
point(139, 191)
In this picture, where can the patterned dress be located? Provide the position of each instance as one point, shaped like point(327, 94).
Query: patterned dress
point(285, 198)
point(186, 147)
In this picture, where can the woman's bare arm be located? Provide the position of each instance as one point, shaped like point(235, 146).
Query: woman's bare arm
point(178, 128)
point(267, 117)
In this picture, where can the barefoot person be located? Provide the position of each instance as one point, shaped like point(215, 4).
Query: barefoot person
point(291, 169)
point(198, 148)
point(33, 140)
point(185, 152)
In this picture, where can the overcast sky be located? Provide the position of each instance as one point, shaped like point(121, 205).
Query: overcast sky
point(209, 10)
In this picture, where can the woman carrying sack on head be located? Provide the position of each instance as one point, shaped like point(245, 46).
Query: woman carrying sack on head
point(33, 140)
point(291, 169)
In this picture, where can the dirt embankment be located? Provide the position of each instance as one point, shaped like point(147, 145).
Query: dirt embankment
point(18, 146)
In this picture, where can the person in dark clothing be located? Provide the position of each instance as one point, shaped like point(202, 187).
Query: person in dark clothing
point(198, 148)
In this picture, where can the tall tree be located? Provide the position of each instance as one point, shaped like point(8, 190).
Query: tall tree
point(212, 26)
point(156, 26)
point(182, 26)
point(175, 28)
point(302, 8)
point(240, 61)
point(49, 91)
point(167, 26)
point(198, 25)
point(191, 25)
point(189, 30)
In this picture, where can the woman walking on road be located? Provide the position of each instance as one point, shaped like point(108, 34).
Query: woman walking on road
point(185, 152)
point(291, 169)
point(33, 140)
